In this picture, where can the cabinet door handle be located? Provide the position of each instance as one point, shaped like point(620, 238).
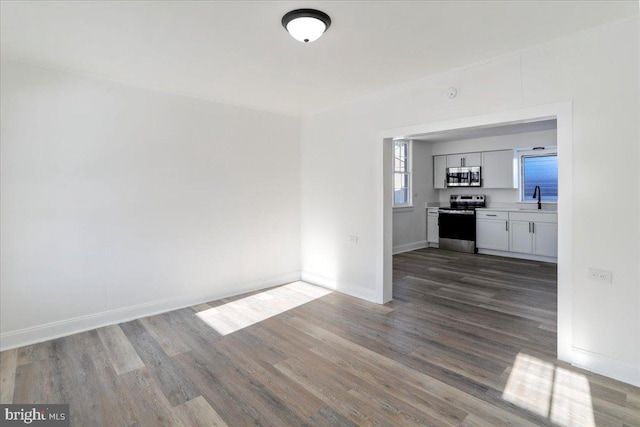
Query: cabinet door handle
point(533, 227)
point(529, 227)
point(506, 226)
point(492, 214)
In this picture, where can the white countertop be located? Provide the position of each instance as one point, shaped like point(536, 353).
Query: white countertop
point(515, 209)
point(512, 208)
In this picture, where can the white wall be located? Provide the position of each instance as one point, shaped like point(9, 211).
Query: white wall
point(118, 202)
point(598, 72)
point(495, 197)
point(410, 224)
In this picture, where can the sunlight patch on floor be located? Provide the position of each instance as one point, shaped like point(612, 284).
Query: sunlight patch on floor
point(530, 384)
point(571, 404)
point(562, 396)
point(247, 311)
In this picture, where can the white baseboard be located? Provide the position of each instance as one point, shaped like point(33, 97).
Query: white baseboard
point(518, 255)
point(409, 247)
point(49, 331)
point(606, 366)
point(340, 286)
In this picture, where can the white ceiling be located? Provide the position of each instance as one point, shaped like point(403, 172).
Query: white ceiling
point(237, 51)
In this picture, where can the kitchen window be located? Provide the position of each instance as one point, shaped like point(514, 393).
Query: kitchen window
point(402, 173)
point(539, 167)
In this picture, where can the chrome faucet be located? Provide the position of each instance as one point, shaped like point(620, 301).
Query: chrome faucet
point(537, 192)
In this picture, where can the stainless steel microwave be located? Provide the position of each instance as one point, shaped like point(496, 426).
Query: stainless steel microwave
point(464, 177)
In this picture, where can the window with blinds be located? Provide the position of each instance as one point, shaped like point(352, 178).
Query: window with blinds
point(539, 167)
point(402, 173)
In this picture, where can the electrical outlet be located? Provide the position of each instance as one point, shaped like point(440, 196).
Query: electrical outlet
point(353, 239)
point(600, 275)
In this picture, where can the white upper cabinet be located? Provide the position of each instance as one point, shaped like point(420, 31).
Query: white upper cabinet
point(439, 171)
point(473, 159)
point(464, 159)
point(499, 170)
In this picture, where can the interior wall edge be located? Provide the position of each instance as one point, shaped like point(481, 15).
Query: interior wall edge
point(340, 286)
point(409, 247)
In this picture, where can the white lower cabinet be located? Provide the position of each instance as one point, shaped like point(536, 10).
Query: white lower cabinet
point(520, 237)
point(533, 233)
point(545, 239)
point(433, 230)
point(492, 230)
point(519, 234)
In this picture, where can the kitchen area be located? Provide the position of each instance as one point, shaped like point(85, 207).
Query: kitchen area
point(490, 191)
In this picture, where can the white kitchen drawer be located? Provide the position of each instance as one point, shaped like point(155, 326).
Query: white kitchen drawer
point(484, 214)
point(533, 216)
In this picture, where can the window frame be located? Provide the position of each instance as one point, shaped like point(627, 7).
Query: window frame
point(408, 171)
point(530, 152)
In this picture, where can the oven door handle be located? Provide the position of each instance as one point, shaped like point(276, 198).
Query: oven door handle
point(457, 212)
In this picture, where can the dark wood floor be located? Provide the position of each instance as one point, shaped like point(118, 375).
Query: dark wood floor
point(468, 340)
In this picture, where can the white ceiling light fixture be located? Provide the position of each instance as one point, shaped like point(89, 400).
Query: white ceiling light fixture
point(306, 25)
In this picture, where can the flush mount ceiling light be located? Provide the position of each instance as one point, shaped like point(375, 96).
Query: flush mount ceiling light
point(306, 25)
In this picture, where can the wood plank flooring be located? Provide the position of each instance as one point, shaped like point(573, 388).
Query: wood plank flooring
point(469, 340)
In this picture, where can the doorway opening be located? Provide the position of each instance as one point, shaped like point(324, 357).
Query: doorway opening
point(562, 114)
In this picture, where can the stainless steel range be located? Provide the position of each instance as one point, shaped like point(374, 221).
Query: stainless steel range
point(457, 230)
